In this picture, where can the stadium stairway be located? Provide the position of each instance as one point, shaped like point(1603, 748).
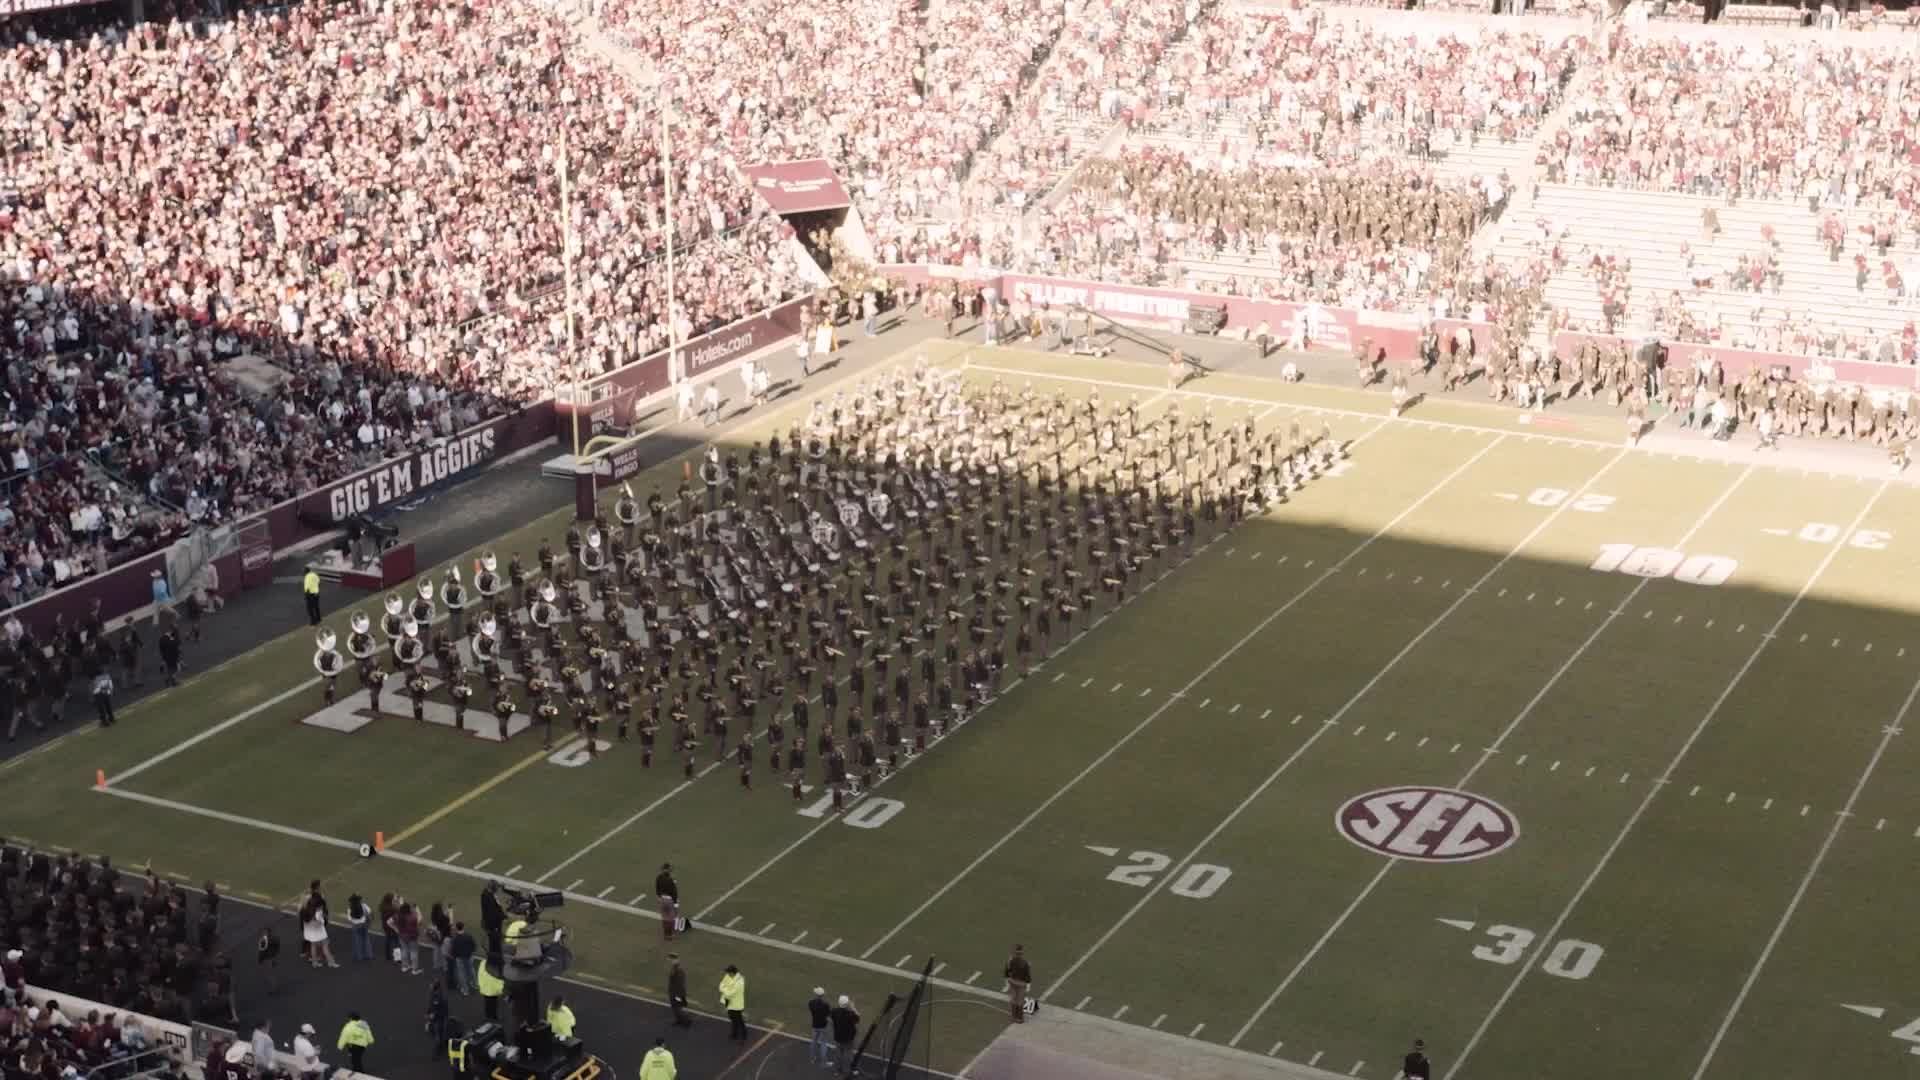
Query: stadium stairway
point(1650, 228)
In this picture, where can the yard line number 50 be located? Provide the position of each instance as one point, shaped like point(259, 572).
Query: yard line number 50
point(1653, 562)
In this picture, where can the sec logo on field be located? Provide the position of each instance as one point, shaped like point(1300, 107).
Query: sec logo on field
point(1427, 824)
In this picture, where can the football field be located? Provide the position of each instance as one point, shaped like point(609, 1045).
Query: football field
point(1574, 760)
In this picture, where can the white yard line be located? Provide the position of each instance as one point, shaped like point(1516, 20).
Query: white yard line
point(1178, 695)
point(587, 899)
point(184, 745)
point(1806, 881)
point(1331, 722)
point(1653, 790)
point(1486, 756)
point(617, 829)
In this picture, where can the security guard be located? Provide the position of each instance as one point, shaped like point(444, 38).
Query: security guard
point(658, 1064)
point(457, 1056)
point(310, 585)
point(733, 998)
point(355, 1037)
point(560, 1018)
point(491, 988)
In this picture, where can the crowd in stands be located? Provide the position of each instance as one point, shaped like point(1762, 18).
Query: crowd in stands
point(67, 925)
point(244, 256)
point(1836, 125)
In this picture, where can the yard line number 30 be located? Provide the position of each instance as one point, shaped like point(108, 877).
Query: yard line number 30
point(1568, 959)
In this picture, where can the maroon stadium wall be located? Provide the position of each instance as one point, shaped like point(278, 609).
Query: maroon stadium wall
point(613, 397)
point(128, 587)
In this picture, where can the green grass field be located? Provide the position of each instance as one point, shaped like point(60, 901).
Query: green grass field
point(1701, 742)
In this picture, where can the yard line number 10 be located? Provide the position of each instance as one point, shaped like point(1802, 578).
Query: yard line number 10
point(1653, 562)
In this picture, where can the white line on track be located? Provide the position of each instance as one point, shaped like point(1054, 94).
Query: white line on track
point(1653, 790)
point(1498, 743)
point(1806, 880)
point(1231, 651)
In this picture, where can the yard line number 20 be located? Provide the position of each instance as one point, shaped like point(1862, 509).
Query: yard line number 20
point(1653, 562)
point(1197, 882)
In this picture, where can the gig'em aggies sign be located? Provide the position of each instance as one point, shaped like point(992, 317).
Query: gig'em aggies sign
point(1427, 824)
point(396, 480)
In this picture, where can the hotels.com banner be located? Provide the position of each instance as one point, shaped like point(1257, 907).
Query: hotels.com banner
point(795, 187)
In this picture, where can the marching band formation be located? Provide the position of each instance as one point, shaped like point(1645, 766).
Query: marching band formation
point(913, 532)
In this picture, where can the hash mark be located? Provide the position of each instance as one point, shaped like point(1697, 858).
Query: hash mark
point(1391, 734)
point(903, 960)
point(602, 894)
point(482, 864)
point(1709, 624)
point(1362, 573)
point(1768, 805)
point(577, 882)
point(1695, 791)
point(1360, 729)
point(1282, 559)
point(972, 977)
point(1803, 809)
point(453, 859)
point(1115, 688)
point(1881, 825)
point(1418, 579)
point(802, 937)
point(1589, 606)
point(1357, 1066)
point(1623, 777)
point(1741, 629)
point(1120, 1012)
point(1315, 1059)
point(1558, 600)
point(1158, 1020)
point(424, 850)
point(1204, 702)
point(1083, 1003)
point(1530, 598)
point(731, 921)
point(1059, 675)
point(1253, 556)
point(1275, 1052)
point(1147, 691)
point(1296, 718)
point(1522, 760)
point(1455, 750)
point(832, 945)
point(1233, 710)
point(767, 929)
point(1195, 1033)
point(1390, 574)
point(1729, 798)
point(1308, 565)
point(1266, 714)
point(1086, 684)
point(1446, 583)
point(512, 870)
point(1647, 614)
point(1555, 767)
point(1230, 552)
point(1869, 646)
point(1677, 618)
point(1803, 639)
point(1503, 592)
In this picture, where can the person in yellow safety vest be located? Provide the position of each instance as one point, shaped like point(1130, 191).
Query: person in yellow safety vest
point(658, 1064)
point(355, 1037)
point(560, 1019)
point(310, 588)
point(491, 988)
point(512, 935)
point(733, 998)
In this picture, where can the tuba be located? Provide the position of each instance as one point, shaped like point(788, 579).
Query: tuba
point(487, 581)
point(326, 659)
point(486, 645)
point(408, 649)
point(452, 594)
point(390, 624)
point(360, 642)
point(422, 610)
point(627, 509)
point(592, 559)
point(542, 611)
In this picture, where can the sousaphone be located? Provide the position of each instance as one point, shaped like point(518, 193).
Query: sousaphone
point(360, 643)
point(326, 658)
